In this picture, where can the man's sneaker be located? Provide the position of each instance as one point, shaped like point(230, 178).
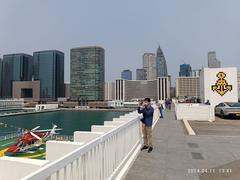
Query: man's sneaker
point(150, 149)
point(144, 147)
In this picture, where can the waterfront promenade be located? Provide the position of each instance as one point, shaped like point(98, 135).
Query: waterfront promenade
point(178, 156)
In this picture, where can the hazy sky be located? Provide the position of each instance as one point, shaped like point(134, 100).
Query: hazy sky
point(185, 29)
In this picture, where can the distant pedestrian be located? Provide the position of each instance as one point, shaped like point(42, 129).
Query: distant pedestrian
point(160, 107)
point(198, 100)
point(170, 104)
point(166, 103)
point(147, 110)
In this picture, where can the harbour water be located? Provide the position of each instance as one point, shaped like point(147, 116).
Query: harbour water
point(69, 121)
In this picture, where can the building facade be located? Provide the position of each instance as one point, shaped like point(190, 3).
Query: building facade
point(164, 88)
point(140, 89)
point(28, 90)
point(67, 90)
point(149, 64)
point(120, 90)
point(158, 89)
point(172, 92)
point(126, 74)
point(15, 67)
point(161, 64)
point(213, 62)
point(11, 104)
point(48, 68)
point(141, 74)
point(1, 78)
point(109, 91)
point(185, 70)
point(196, 72)
point(187, 87)
point(87, 74)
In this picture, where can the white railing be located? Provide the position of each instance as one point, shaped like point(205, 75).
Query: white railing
point(10, 136)
point(60, 137)
point(98, 159)
point(102, 158)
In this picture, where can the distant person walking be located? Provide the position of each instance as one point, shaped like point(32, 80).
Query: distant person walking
point(170, 104)
point(160, 107)
point(147, 110)
point(166, 103)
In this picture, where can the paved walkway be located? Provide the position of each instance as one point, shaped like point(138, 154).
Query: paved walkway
point(221, 127)
point(177, 156)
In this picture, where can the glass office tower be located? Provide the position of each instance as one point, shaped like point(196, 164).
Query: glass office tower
point(48, 67)
point(185, 70)
point(126, 74)
point(15, 67)
point(141, 74)
point(161, 64)
point(87, 74)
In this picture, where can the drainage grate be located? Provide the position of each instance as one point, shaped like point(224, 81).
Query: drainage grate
point(196, 155)
point(193, 145)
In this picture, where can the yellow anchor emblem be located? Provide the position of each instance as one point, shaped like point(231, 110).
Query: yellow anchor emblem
point(221, 86)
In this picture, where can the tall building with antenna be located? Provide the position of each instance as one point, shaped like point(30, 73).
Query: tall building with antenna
point(161, 64)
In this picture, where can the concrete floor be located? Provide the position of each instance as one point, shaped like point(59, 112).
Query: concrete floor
point(220, 127)
point(177, 156)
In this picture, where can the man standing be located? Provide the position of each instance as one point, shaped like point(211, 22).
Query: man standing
point(147, 110)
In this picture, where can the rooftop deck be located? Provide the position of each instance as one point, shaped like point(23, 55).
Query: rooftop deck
point(177, 156)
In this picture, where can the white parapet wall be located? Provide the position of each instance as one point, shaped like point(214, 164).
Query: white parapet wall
point(85, 136)
point(57, 149)
point(12, 168)
point(99, 128)
point(113, 123)
point(200, 112)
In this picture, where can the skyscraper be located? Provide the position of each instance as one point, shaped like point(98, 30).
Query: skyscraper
point(185, 70)
point(161, 64)
point(87, 73)
point(141, 74)
point(15, 67)
point(213, 62)
point(126, 74)
point(49, 69)
point(149, 64)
